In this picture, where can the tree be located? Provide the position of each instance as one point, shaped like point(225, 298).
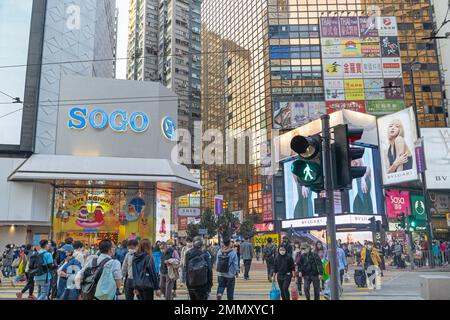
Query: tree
point(192, 230)
point(247, 228)
point(227, 224)
point(208, 221)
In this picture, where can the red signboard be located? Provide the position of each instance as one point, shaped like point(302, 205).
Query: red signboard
point(264, 227)
point(333, 106)
point(267, 208)
point(396, 202)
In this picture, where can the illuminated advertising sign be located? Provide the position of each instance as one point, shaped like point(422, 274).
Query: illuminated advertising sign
point(437, 154)
point(358, 106)
point(397, 133)
point(163, 215)
point(439, 203)
point(397, 202)
point(344, 219)
point(264, 227)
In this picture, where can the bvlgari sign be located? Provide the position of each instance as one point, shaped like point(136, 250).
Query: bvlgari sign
point(437, 154)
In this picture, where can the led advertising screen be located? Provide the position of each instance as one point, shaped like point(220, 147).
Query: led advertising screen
point(362, 196)
point(397, 134)
point(163, 215)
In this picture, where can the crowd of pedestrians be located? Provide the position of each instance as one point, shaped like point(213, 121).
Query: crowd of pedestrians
point(141, 270)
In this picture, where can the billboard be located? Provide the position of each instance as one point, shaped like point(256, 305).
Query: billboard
point(359, 61)
point(397, 202)
point(437, 154)
point(439, 203)
point(163, 215)
point(293, 114)
point(397, 134)
point(362, 196)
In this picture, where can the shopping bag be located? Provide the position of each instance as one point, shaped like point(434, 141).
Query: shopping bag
point(294, 293)
point(347, 278)
point(275, 293)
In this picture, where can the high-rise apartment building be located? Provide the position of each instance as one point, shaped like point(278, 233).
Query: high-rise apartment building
point(277, 44)
point(164, 45)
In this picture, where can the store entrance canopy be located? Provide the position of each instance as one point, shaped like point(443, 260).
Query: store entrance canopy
point(106, 172)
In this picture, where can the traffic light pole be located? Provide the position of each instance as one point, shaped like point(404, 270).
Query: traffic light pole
point(426, 198)
point(331, 223)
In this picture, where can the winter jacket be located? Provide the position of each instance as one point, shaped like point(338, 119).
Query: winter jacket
point(310, 264)
point(194, 252)
point(127, 268)
point(284, 266)
point(373, 254)
point(246, 251)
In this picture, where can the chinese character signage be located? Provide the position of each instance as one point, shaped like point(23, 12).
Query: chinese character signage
point(397, 202)
point(361, 62)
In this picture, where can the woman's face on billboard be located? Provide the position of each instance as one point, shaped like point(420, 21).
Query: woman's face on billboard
point(394, 129)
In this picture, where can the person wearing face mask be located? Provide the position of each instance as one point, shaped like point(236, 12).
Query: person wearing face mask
point(370, 257)
point(283, 271)
point(184, 251)
point(296, 255)
point(66, 274)
point(311, 269)
point(127, 269)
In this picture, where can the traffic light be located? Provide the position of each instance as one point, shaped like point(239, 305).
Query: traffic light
point(378, 226)
point(373, 224)
point(412, 223)
point(401, 220)
point(308, 168)
point(344, 154)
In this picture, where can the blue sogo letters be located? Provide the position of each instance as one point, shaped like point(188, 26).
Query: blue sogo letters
point(98, 119)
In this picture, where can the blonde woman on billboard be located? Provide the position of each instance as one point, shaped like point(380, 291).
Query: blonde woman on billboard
point(398, 156)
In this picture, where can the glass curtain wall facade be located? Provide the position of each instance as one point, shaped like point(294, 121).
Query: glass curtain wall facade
point(282, 38)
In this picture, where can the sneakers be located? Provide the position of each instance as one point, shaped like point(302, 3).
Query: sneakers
point(219, 296)
point(32, 298)
point(13, 283)
point(19, 295)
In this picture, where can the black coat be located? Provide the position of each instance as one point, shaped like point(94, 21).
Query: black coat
point(284, 264)
point(192, 253)
point(310, 264)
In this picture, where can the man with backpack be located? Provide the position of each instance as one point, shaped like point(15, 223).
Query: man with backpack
point(227, 269)
point(41, 266)
point(199, 276)
point(269, 256)
point(91, 273)
point(311, 269)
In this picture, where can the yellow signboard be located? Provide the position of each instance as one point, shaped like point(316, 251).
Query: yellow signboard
point(183, 202)
point(262, 240)
point(354, 89)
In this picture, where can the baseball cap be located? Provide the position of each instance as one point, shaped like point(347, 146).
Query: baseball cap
point(66, 247)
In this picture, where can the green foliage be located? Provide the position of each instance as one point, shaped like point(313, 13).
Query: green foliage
point(208, 221)
point(192, 230)
point(227, 224)
point(247, 228)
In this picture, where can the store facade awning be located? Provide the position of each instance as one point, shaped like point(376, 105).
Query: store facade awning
point(106, 172)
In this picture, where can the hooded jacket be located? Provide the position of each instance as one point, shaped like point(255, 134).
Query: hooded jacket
point(144, 263)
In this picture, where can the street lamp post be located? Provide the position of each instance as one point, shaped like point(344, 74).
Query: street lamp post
point(415, 66)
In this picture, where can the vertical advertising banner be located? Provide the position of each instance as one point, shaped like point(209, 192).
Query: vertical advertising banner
point(218, 205)
point(163, 215)
point(397, 202)
point(367, 61)
point(437, 157)
point(397, 134)
point(418, 209)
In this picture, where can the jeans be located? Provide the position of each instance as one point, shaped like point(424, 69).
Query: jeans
point(316, 284)
point(6, 271)
point(229, 284)
point(19, 277)
point(147, 294)
point(43, 287)
point(284, 283)
point(198, 294)
point(299, 285)
point(270, 270)
point(247, 265)
point(128, 289)
point(29, 285)
point(166, 286)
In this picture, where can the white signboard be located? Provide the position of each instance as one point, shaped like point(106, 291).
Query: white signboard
point(437, 156)
point(331, 47)
point(388, 26)
point(397, 134)
point(188, 212)
point(372, 68)
point(322, 221)
point(392, 67)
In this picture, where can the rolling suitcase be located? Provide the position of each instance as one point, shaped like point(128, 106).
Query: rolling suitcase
point(360, 278)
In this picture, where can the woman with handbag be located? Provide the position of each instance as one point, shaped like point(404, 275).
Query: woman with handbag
point(145, 277)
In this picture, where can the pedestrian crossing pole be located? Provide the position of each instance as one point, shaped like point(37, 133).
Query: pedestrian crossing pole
point(331, 223)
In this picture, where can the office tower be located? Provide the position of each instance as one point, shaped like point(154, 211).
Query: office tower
point(285, 71)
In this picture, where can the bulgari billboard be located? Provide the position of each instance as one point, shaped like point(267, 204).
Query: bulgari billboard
point(102, 117)
point(437, 154)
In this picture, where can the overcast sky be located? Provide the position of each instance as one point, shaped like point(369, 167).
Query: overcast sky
point(122, 35)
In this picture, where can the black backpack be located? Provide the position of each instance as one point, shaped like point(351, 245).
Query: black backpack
point(223, 262)
point(197, 271)
point(269, 254)
point(90, 279)
point(37, 267)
